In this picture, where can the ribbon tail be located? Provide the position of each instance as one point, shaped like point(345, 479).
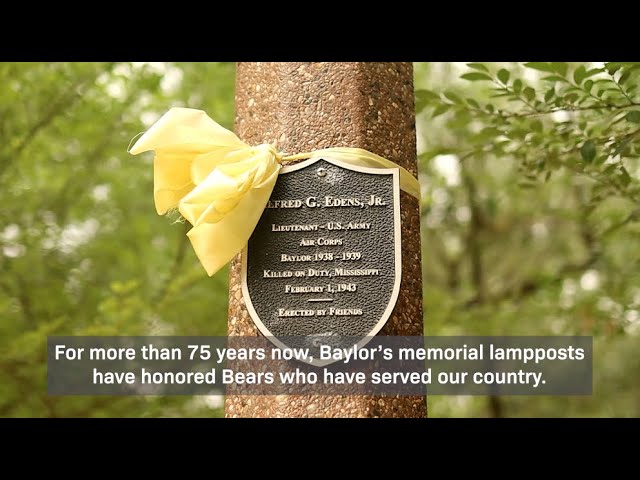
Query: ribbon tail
point(409, 183)
point(364, 158)
point(217, 243)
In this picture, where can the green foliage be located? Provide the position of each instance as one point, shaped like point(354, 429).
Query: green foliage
point(531, 217)
point(82, 251)
point(530, 220)
point(577, 118)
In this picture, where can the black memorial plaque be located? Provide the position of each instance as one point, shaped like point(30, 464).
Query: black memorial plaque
point(324, 259)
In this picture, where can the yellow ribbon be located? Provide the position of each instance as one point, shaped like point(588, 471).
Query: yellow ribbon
point(220, 184)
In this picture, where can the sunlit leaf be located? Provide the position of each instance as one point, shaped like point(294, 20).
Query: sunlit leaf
point(503, 75)
point(476, 76)
point(560, 68)
point(542, 66)
point(478, 66)
point(579, 74)
point(588, 85)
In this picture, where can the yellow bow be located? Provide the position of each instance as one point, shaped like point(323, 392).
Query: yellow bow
point(220, 184)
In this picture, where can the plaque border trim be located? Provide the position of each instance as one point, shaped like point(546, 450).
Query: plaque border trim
point(395, 172)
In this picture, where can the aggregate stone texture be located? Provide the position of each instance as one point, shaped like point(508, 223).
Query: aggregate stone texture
point(303, 106)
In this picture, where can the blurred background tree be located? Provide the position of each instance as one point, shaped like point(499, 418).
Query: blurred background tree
point(82, 251)
point(530, 221)
point(530, 217)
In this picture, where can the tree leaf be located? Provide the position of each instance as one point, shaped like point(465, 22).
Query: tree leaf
point(560, 68)
point(424, 98)
point(624, 176)
point(633, 116)
point(588, 85)
point(572, 97)
point(573, 89)
point(588, 151)
point(620, 147)
point(453, 97)
point(529, 93)
point(478, 66)
point(423, 92)
point(604, 80)
point(476, 76)
point(541, 66)
point(579, 74)
point(503, 75)
point(490, 131)
point(549, 95)
point(593, 71)
point(612, 67)
point(440, 109)
point(473, 103)
point(517, 85)
point(625, 76)
point(555, 78)
point(429, 154)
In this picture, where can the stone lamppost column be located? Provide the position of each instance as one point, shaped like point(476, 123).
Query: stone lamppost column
point(303, 106)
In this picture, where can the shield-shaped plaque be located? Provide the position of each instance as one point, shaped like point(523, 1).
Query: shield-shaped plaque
point(323, 265)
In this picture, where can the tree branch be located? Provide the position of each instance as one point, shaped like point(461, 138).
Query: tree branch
point(566, 109)
point(531, 286)
point(178, 259)
point(56, 108)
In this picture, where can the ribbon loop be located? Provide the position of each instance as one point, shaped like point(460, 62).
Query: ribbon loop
point(220, 184)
